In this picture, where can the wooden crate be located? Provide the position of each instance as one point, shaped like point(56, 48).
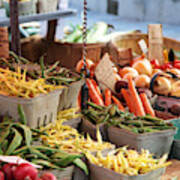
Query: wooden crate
point(67, 53)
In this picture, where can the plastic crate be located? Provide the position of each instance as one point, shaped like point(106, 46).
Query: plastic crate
point(39, 110)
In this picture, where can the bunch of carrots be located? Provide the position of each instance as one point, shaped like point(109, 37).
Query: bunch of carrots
point(96, 96)
point(139, 105)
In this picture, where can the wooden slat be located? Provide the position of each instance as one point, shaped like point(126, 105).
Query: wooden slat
point(155, 42)
point(15, 40)
point(51, 31)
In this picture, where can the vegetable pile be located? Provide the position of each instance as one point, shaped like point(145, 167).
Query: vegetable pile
point(112, 116)
point(53, 74)
point(69, 140)
point(68, 114)
point(17, 84)
point(19, 140)
point(73, 34)
point(129, 162)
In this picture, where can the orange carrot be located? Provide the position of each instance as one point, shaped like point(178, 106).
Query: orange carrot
point(94, 92)
point(128, 100)
point(118, 103)
point(147, 105)
point(107, 97)
point(96, 87)
point(139, 110)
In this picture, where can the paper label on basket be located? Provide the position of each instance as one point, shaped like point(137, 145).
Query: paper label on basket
point(105, 74)
point(155, 38)
point(16, 160)
point(4, 42)
point(143, 46)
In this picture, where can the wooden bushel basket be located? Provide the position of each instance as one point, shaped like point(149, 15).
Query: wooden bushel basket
point(131, 41)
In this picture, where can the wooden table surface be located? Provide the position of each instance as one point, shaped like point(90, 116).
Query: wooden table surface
point(172, 171)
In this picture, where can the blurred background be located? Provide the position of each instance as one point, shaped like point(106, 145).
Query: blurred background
point(123, 15)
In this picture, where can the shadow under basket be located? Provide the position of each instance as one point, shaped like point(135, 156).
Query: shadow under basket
point(39, 111)
point(96, 173)
point(158, 143)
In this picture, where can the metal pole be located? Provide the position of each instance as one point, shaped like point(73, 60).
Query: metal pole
point(14, 25)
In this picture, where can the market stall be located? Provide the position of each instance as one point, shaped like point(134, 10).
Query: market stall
point(108, 110)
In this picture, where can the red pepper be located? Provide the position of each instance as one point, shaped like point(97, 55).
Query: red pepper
point(169, 65)
point(166, 66)
point(176, 61)
point(155, 64)
point(177, 65)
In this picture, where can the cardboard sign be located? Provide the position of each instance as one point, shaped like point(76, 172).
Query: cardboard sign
point(4, 42)
point(105, 74)
point(155, 42)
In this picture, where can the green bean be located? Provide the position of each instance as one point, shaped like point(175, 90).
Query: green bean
point(53, 67)
point(153, 119)
point(95, 106)
point(122, 126)
point(38, 153)
point(22, 115)
point(14, 56)
point(42, 67)
point(24, 60)
point(39, 132)
point(79, 163)
point(27, 133)
point(46, 164)
point(47, 150)
point(23, 149)
point(5, 134)
point(15, 143)
point(4, 145)
point(65, 161)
